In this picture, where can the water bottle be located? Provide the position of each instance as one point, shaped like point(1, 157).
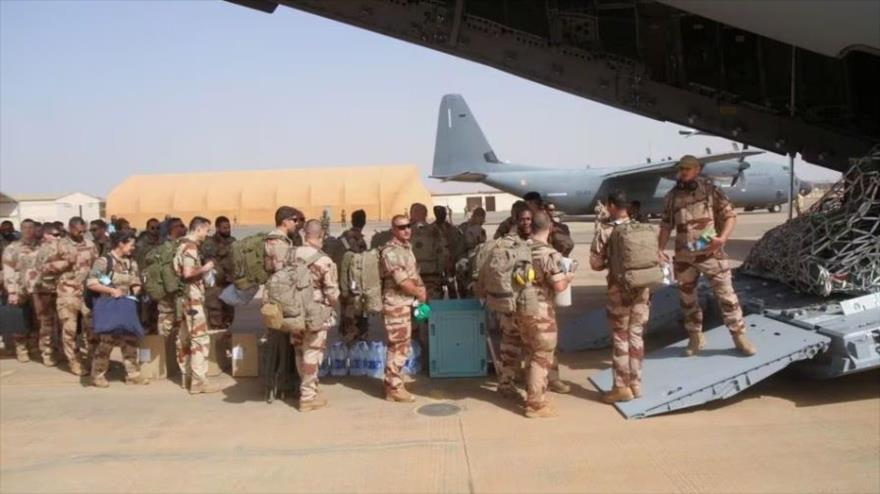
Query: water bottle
point(210, 278)
point(324, 369)
point(414, 362)
point(338, 359)
point(357, 358)
point(376, 360)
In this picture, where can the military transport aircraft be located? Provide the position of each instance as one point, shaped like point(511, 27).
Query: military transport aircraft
point(462, 154)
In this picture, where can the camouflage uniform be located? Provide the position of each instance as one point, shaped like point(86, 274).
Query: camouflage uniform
point(149, 308)
point(20, 277)
point(380, 238)
point(539, 331)
point(280, 368)
point(77, 257)
point(472, 236)
point(455, 250)
point(432, 255)
point(354, 325)
point(689, 213)
point(628, 312)
point(168, 314)
point(506, 227)
point(560, 238)
point(310, 344)
point(220, 314)
point(103, 245)
point(46, 296)
point(397, 265)
point(124, 276)
point(193, 341)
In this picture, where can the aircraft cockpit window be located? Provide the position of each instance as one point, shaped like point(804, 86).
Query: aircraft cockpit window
point(490, 157)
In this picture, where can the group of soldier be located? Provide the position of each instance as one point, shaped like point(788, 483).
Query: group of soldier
point(48, 271)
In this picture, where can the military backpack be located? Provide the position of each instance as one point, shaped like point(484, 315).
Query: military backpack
point(360, 280)
point(632, 250)
point(248, 261)
point(506, 275)
point(161, 280)
point(291, 293)
point(427, 248)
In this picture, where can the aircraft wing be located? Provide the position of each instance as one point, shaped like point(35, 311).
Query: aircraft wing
point(667, 168)
point(462, 177)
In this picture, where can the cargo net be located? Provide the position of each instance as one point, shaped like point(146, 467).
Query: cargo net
point(834, 247)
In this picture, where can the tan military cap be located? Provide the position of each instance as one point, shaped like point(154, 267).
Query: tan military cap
point(689, 161)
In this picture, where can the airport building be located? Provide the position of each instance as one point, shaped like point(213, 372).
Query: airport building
point(464, 202)
point(250, 197)
point(49, 207)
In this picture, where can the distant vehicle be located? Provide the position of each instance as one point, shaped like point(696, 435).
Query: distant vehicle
point(462, 154)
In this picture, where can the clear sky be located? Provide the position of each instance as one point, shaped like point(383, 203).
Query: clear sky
point(93, 92)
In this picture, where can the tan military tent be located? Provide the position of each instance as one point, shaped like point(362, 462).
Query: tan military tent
point(251, 197)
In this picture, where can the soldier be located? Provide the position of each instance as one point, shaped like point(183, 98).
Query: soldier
point(218, 247)
point(311, 343)
point(280, 372)
point(454, 241)
point(169, 320)
point(148, 240)
point(509, 223)
point(46, 294)
point(539, 329)
point(628, 310)
point(354, 325)
point(20, 275)
point(98, 229)
point(430, 251)
point(694, 206)
point(634, 211)
point(473, 234)
point(193, 341)
point(122, 279)
point(73, 259)
point(401, 287)
point(380, 238)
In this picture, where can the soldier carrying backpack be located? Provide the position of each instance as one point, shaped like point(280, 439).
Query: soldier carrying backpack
point(629, 251)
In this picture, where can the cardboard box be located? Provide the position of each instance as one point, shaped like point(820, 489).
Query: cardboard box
point(218, 358)
point(152, 357)
point(245, 355)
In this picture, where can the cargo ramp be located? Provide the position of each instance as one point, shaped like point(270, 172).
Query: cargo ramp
point(671, 381)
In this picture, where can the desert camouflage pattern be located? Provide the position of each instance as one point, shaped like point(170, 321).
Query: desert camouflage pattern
point(70, 305)
point(49, 265)
point(145, 243)
point(539, 332)
point(628, 313)
point(277, 250)
point(506, 227)
point(438, 257)
point(689, 213)
point(560, 238)
point(125, 276)
point(103, 245)
point(193, 341)
point(310, 345)
point(453, 239)
point(511, 349)
point(397, 265)
point(168, 317)
point(472, 236)
point(353, 327)
point(219, 248)
point(20, 276)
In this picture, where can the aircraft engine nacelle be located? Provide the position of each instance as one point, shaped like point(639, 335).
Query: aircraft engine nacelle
point(725, 169)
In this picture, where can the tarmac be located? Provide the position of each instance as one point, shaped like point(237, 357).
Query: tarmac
point(786, 434)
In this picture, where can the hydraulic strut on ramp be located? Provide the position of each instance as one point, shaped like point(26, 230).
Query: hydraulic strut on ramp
point(671, 381)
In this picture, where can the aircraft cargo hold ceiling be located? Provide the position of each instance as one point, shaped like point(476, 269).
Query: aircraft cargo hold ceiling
point(661, 62)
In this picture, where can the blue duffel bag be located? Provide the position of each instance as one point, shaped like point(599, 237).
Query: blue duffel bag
point(117, 315)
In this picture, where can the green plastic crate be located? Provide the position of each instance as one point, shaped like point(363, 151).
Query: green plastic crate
point(457, 338)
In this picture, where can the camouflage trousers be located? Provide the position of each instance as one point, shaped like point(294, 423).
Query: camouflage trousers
point(717, 271)
point(193, 343)
point(398, 332)
point(69, 311)
point(29, 338)
point(354, 326)
point(628, 313)
point(309, 347)
point(511, 349)
point(129, 346)
point(44, 307)
point(539, 335)
point(220, 314)
point(168, 319)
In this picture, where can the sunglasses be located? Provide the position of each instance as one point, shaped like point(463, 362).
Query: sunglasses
point(403, 227)
point(56, 234)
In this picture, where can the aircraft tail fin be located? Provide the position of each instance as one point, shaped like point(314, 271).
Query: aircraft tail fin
point(461, 149)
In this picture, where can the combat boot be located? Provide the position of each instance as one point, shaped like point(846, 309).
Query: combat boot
point(617, 394)
point(509, 391)
point(400, 395)
point(743, 344)
point(636, 390)
point(100, 382)
point(76, 368)
point(696, 343)
point(545, 412)
point(49, 361)
point(137, 380)
point(21, 353)
point(560, 387)
point(313, 404)
point(203, 388)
